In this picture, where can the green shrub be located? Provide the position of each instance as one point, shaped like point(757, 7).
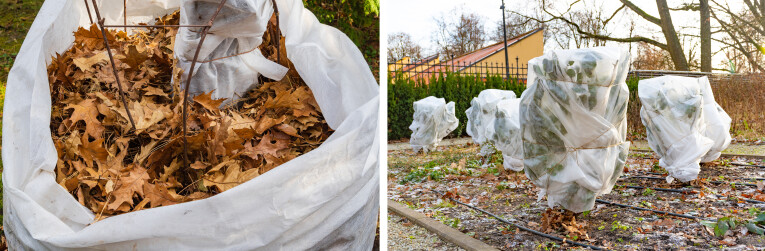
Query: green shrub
point(358, 19)
point(460, 88)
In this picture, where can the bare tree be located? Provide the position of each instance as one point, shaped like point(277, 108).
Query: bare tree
point(745, 30)
point(706, 36)
point(650, 57)
point(515, 25)
point(460, 35)
point(673, 43)
point(591, 21)
point(664, 21)
point(400, 45)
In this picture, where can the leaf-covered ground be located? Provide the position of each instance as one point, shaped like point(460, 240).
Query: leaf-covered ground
point(459, 170)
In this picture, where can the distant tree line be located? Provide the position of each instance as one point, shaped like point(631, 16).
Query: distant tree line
point(739, 30)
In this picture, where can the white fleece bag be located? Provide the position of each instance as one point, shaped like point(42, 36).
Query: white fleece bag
point(325, 199)
point(481, 117)
point(505, 133)
point(432, 120)
point(684, 124)
point(574, 124)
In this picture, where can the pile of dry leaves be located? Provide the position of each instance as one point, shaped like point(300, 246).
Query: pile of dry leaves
point(564, 220)
point(112, 168)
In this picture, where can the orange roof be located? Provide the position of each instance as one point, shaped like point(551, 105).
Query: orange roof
point(471, 58)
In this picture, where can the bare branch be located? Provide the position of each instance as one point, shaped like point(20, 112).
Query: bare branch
point(687, 7)
point(641, 12)
point(613, 15)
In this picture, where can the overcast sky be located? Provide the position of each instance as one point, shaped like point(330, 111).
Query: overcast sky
point(416, 17)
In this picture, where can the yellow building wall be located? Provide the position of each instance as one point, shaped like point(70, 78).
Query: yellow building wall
point(526, 49)
point(399, 64)
point(410, 73)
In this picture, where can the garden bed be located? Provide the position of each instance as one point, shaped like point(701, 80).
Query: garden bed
point(459, 170)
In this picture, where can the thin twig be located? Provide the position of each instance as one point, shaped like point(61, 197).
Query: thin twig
point(188, 82)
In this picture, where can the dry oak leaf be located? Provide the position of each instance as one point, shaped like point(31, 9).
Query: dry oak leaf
point(207, 102)
point(87, 111)
point(59, 63)
point(71, 145)
point(145, 114)
point(154, 91)
point(129, 185)
point(289, 130)
point(86, 63)
point(133, 58)
point(158, 194)
point(233, 177)
point(285, 99)
point(245, 133)
point(267, 145)
point(93, 151)
point(267, 122)
point(93, 38)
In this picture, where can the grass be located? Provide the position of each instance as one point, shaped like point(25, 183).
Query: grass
point(16, 16)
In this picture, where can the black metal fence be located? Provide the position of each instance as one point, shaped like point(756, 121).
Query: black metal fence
point(426, 70)
point(752, 78)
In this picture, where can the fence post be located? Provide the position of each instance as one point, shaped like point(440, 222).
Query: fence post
point(516, 67)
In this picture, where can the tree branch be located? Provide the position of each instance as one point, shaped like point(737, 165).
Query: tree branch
point(739, 47)
point(624, 40)
point(687, 7)
point(641, 12)
point(734, 16)
point(613, 15)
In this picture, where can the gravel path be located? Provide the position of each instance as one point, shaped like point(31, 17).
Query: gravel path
point(405, 235)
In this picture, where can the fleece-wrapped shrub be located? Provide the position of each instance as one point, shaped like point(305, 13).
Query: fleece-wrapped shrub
point(574, 124)
point(683, 123)
point(481, 116)
point(716, 122)
point(505, 133)
point(433, 119)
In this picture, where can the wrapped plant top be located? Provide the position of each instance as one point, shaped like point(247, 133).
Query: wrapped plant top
point(493, 125)
point(573, 124)
point(683, 123)
point(583, 66)
point(506, 133)
point(482, 112)
point(433, 119)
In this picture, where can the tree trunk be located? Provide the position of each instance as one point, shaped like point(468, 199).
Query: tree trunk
point(706, 37)
point(673, 43)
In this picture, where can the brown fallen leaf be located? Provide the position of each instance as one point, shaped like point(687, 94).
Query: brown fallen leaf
point(112, 168)
point(87, 112)
point(127, 186)
point(207, 102)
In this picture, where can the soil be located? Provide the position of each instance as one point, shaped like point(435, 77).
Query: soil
point(477, 181)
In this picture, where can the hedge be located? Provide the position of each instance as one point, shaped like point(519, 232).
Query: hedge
point(734, 95)
point(460, 88)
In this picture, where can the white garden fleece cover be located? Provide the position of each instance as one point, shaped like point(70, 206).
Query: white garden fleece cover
point(481, 112)
point(505, 133)
point(237, 29)
point(325, 199)
point(485, 129)
point(574, 124)
point(683, 123)
point(433, 119)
